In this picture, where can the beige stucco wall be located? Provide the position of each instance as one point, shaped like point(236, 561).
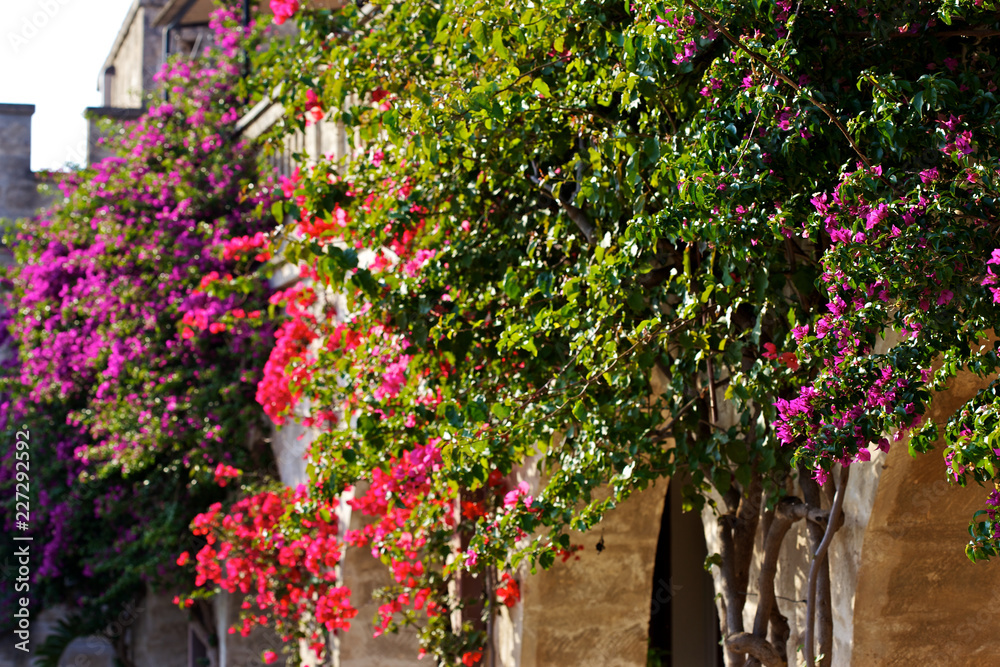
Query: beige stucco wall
point(919, 599)
point(364, 574)
point(591, 611)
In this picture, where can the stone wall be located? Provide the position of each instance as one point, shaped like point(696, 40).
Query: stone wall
point(100, 132)
point(134, 58)
point(18, 187)
point(160, 638)
point(82, 652)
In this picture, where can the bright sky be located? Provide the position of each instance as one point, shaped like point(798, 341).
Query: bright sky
point(51, 53)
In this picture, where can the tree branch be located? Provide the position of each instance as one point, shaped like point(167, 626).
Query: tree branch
point(760, 649)
point(732, 596)
point(824, 604)
point(818, 558)
point(737, 532)
point(978, 33)
point(747, 517)
point(780, 632)
point(781, 76)
point(788, 511)
point(575, 214)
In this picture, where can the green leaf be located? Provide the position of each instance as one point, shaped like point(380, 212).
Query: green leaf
point(498, 46)
point(500, 410)
point(529, 345)
point(541, 87)
point(478, 33)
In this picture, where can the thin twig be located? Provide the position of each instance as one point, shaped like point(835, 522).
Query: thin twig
point(783, 77)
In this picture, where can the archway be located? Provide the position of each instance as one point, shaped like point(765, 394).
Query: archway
point(919, 600)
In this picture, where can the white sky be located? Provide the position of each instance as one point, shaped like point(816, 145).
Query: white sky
point(51, 53)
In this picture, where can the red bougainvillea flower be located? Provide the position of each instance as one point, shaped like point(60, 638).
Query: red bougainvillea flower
point(508, 593)
point(270, 657)
point(789, 359)
point(284, 563)
point(472, 510)
point(471, 658)
point(313, 107)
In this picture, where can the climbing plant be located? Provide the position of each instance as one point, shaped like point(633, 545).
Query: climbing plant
point(133, 381)
point(741, 244)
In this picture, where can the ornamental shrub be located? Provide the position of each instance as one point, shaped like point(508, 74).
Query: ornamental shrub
point(739, 243)
point(134, 374)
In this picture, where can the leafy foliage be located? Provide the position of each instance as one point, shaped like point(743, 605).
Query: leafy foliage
point(631, 242)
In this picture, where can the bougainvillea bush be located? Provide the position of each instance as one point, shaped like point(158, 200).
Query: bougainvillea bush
point(137, 353)
point(780, 215)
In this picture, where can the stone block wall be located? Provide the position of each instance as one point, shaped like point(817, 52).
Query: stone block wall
point(18, 187)
point(97, 130)
point(135, 57)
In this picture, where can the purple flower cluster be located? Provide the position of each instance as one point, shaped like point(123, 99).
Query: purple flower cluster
point(122, 405)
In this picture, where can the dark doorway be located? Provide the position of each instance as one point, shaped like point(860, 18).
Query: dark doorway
point(683, 618)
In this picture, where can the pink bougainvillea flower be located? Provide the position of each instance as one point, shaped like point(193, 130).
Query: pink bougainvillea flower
point(223, 473)
point(284, 9)
point(929, 175)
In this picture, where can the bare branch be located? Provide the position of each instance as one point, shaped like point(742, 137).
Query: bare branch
point(780, 632)
point(818, 559)
point(732, 597)
point(788, 511)
point(824, 603)
point(747, 517)
point(575, 214)
point(759, 648)
point(737, 531)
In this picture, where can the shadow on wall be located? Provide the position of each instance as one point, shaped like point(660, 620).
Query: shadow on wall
point(595, 611)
